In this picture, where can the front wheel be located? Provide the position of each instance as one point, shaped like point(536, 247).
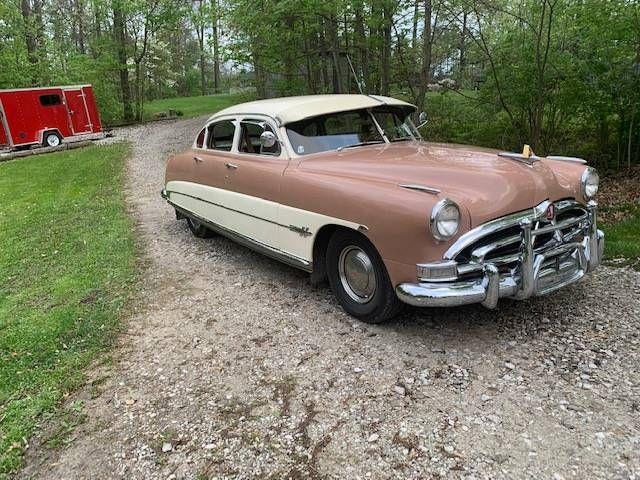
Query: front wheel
point(359, 278)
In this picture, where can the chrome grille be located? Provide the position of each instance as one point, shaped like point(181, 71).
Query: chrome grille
point(499, 242)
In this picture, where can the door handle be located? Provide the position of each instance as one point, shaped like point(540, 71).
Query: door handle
point(197, 159)
point(231, 166)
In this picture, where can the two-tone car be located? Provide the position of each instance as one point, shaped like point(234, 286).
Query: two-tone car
point(344, 187)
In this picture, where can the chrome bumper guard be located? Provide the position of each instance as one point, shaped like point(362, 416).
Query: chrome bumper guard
point(537, 271)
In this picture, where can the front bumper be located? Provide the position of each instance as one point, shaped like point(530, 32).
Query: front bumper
point(537, 271)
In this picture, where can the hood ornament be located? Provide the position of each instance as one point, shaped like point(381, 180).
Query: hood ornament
point(527, 156)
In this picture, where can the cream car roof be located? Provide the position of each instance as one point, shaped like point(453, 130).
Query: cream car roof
point(291, 109)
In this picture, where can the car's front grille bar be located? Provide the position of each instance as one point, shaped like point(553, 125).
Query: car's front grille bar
point(534, 268)
point(534, 214)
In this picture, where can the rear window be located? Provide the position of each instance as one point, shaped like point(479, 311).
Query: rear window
point(221, 135)
point(50, 100)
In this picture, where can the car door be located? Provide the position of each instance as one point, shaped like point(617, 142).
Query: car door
point(201, 189)
point(252, 182)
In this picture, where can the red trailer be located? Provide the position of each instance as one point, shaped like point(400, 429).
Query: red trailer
point(46, 116)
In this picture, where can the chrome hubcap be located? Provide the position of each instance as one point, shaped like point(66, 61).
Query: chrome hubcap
point(53, 141)
point(357, 274)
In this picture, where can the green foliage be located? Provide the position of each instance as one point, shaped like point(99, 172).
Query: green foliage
point(622, 238)
point(66, 266)
point(561, 75)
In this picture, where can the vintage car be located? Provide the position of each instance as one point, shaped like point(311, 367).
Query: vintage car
point(344, 187)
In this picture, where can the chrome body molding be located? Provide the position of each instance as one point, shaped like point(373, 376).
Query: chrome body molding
point(546, 254)
point(562, 158)
point(246, 241)
point(420, 188)
point(302, 231)
point(529, 160)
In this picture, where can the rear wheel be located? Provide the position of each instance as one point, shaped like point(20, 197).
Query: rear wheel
point(198, 228)
point(359, 279)
point(51, 139)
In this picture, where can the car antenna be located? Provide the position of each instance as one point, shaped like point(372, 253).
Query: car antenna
point(355, 77)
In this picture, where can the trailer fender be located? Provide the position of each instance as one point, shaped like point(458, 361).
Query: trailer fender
point(46, 137)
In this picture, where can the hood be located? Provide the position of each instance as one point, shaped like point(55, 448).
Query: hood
point(487, 185)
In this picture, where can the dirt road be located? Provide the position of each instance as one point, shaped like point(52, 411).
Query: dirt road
point(233, 366)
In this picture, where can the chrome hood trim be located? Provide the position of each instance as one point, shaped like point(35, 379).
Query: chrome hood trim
point(562, 158)
point(420, 188)
point(529, 160)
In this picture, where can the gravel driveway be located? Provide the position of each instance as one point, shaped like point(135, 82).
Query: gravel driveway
point(234, 366)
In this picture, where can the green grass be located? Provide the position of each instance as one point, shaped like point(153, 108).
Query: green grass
point(66, 267)
point(622, 239)
point(193, 106)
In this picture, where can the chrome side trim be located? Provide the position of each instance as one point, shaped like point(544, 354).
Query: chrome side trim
point(562, 158)
point(249, 242)
point(420, 188)
point(306, 230)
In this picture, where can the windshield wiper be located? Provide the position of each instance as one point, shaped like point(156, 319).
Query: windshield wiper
point(361, 144)
point(401, 139)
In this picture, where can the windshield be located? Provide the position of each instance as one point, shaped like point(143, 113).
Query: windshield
point(340, 130)
point(396, 124)
point(333, 131)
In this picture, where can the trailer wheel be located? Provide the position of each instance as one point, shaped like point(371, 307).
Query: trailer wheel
point(51, 139)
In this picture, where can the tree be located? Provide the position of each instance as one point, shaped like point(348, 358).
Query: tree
point(120, 39)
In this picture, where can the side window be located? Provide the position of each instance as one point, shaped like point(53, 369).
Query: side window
point(221, 135)
point(250, 138)
point(200, 139)
point(50, 100)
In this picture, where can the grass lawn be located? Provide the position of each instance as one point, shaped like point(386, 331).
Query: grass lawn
point(66, 267)
point(193, 106)
point(622, 239)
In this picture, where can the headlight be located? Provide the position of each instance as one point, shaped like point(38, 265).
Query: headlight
point(445, 219)
point(590, 180)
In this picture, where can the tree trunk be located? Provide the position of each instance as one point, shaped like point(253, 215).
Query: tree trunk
point(260, 80)
point(78, 25)
point(121, 42)
point(360, 42)
point(425, 71)
point(335, 55)
point(216, 46)
point(30, 33)
point(385, 64)
point(414, 30)
point(462, 60)
point(311, 84)
point(324, 54)
point(138, 87)
point(200, 34)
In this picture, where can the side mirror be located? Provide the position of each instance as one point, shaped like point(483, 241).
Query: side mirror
point(423, 118)
point(268, 139)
